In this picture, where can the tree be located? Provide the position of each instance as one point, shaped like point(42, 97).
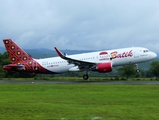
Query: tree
point(154, 68)
point(4, 60)
point(127, 71)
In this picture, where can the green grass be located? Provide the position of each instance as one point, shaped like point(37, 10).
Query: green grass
point(115, 78)
point(73, 101)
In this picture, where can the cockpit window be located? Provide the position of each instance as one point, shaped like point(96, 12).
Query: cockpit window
point(145, 51)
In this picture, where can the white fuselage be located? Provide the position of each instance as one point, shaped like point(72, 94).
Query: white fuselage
point(119, 57)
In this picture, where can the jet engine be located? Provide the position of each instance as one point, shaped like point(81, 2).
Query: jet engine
point(104, 67)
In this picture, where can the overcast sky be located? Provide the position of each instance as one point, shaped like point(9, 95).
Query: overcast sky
point(81, 24)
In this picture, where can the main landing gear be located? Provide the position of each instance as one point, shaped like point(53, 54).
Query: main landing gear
point(137, 68)
point(86, 76)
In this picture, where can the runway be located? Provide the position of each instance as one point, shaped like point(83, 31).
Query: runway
point(79, 82)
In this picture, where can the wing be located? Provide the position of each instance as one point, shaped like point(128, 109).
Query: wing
point(79, 63)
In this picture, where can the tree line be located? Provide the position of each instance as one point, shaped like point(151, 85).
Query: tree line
point(124, 71)
point(4, 60)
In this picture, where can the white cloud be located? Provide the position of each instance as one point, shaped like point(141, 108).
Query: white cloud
point(26, 39)
point(89, 24)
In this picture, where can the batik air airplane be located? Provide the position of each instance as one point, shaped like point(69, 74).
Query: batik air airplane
point(102, 61)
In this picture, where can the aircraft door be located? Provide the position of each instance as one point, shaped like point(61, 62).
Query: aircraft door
point(136, 54)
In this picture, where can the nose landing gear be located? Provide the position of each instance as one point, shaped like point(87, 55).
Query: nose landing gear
point(137, 68)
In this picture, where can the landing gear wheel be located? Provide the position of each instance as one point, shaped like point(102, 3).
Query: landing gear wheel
point(137, 70)
point(85, 77)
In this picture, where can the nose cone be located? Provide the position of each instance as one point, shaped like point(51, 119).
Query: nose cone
point(153, 55)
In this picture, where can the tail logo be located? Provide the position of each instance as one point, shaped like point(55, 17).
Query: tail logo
point(21, 60)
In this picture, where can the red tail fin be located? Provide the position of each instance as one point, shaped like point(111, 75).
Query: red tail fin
point(16, 54)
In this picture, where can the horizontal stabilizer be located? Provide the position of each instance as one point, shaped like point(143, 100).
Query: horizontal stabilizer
point(13, 67)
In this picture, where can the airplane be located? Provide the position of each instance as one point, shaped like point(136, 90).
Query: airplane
point(100, 61)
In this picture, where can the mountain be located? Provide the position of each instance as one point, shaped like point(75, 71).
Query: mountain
point(43, 53)
point(2, 49)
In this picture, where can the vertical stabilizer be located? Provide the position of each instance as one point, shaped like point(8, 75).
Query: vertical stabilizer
point(16, 54)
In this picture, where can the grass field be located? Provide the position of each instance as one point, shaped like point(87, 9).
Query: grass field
point(115, 78)
point(73, 101)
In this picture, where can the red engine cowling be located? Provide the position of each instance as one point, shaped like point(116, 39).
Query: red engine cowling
point(104, 67)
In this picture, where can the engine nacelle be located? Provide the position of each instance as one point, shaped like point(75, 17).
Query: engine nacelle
point(104, 67)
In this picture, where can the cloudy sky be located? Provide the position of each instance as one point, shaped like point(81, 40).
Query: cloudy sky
point(81, 24)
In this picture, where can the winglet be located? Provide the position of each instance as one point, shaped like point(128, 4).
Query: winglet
point(59, 52)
